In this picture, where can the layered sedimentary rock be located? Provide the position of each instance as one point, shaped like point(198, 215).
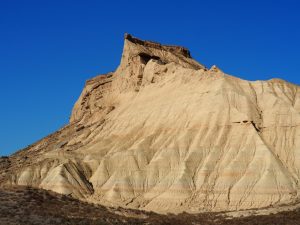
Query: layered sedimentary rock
point(165, 133)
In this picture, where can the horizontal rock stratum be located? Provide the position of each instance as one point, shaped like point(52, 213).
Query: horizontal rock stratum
point(164, 133)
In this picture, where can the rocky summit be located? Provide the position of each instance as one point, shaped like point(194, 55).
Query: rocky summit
point(164, 133)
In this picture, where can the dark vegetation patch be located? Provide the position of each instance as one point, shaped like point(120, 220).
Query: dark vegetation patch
point(29, 206)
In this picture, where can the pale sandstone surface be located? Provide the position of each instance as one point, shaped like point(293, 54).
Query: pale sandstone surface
point(164, 133)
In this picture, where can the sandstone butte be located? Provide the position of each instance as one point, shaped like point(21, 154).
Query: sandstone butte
point(166, 134)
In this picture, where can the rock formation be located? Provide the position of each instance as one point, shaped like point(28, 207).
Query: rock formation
point(164, 133)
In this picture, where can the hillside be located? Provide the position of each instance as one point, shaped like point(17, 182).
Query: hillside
point(164, 133)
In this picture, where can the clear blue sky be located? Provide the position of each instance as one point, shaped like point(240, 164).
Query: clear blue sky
point(49, 48)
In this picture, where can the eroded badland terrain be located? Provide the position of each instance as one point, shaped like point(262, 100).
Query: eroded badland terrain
point(163, 133)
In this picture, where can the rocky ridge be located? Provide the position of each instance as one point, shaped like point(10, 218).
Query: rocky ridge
point(164, 133)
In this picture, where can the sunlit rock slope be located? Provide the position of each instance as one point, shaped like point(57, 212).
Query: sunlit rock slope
point(165, 133)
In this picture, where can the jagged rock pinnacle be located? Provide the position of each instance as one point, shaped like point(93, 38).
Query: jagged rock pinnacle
point(172, 48)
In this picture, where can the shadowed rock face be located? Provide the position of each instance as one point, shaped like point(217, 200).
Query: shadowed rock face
point(164, 133)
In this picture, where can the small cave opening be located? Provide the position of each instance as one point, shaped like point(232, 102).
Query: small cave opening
point(145, 58)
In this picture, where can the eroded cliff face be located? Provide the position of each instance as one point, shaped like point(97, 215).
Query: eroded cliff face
point(164, 133)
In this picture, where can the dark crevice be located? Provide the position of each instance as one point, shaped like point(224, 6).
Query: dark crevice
point(255, 126)
point(145, 58)
point(247, 122)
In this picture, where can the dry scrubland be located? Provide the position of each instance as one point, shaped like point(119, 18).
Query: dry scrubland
point(29, 206)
